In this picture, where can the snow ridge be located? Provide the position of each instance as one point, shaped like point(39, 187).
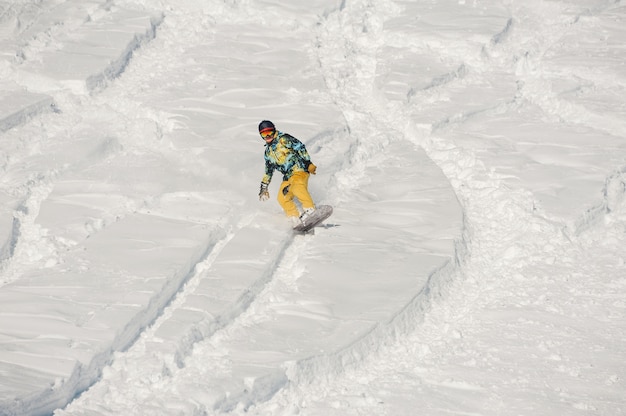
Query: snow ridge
point(186, 336)
point(613, 196)
point(324, 368)
point(17, 107)
point(117, 66)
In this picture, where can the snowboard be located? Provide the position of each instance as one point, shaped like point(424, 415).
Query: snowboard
point(321, 213)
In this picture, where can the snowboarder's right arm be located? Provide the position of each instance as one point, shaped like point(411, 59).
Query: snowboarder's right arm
point(264, 194)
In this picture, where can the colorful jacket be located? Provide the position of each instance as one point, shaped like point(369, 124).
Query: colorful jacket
point(287, 155)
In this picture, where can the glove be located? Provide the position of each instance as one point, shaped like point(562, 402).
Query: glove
point(312, 168)
point(264, 194)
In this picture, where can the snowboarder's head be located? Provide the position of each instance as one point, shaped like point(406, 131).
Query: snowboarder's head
point(267, 130)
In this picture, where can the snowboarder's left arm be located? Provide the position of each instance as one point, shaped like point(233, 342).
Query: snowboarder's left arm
point(300, 149)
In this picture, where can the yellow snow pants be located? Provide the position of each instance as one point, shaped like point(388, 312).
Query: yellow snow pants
point(295, 187)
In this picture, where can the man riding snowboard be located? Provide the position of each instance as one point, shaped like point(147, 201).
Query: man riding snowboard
point(289, 156)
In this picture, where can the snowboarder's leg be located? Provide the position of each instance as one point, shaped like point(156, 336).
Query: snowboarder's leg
point(299, 188)
point(285, 199)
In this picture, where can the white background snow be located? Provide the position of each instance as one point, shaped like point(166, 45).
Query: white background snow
point(475, 155)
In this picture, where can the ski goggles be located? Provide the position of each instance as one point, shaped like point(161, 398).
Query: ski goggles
point(267, 133)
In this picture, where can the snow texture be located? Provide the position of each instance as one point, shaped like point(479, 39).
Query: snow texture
point(473, 152)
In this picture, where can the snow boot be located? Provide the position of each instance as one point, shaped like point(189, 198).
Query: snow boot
point(306, 214)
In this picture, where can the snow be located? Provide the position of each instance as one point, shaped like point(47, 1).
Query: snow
point(473, 152)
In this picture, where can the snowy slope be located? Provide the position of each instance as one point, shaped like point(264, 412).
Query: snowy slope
point(117, 251)
point(474, 153)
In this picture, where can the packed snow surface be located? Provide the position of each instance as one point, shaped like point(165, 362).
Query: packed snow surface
point(474, 153)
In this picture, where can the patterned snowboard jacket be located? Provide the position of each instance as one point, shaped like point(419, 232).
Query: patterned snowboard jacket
point(287, 155)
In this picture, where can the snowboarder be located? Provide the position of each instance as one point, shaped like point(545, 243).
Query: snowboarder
point(289, 156)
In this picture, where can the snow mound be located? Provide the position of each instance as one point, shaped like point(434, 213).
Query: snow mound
point(17, 106)
point(93, 54)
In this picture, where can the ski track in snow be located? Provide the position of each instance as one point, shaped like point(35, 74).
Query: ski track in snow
point(501, 253)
